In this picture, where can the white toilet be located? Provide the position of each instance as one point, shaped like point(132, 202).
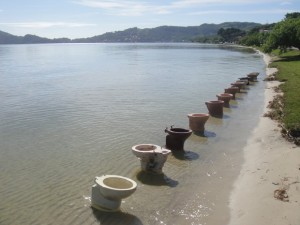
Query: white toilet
point(109, 190)
point(152, 157)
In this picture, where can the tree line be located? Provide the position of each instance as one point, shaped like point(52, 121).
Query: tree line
point(282, 35)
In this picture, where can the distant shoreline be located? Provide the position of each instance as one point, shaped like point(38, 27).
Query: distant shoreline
point(176, 34)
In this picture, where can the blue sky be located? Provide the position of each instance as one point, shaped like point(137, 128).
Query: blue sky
point(86, 18)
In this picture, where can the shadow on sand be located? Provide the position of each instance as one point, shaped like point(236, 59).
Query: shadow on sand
point(155, 179)
point(111, 218)
point(185, 155)
point(206, 134)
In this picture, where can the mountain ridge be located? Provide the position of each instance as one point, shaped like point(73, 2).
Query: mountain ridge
point(131, 35)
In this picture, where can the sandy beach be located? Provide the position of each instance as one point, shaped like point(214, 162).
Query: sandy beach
point(267, 190)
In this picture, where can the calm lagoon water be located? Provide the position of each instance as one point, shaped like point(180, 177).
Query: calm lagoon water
point(70, 112)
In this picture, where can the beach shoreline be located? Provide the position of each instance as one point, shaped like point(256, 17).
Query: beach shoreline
point(271, 167)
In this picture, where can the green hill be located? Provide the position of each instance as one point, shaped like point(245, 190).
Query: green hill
point(166, 33)
point(158, 34)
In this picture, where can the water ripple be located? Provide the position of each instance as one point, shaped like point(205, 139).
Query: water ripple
point(67, 117)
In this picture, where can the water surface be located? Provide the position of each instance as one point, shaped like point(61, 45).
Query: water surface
point(70, 112)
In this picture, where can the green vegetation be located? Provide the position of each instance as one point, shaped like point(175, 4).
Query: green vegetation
point(282, 35)
point(231, 34)
point(289, 71)
point(285, 34)
point(257, 36)
point(282, 40)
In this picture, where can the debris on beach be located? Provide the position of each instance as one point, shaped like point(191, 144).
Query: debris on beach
point(281, 194)
point(270, 78)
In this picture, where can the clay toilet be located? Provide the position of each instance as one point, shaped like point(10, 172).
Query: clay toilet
point(176, 137)
point(197, 122)
point(225, 97)
point(253, 76)
point(245, 79)
point(238, 84)
point(215, 108)
point(232, 90)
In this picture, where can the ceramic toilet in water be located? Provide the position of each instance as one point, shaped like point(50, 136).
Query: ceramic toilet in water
point(225, 97)
point(176, 137)
point(109, 190)
point(152, 157)
point(197, 122)
point(215, 108)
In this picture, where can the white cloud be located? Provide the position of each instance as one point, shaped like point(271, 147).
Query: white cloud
point(138, 8)
point(207, 2)
point(267, 11)
point(286, 3)
point(116, 7)
point(125, 8)
point(46, 24)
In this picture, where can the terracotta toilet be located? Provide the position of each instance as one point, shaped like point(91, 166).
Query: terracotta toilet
point(176, 137)
point(225, 97)
point(215, 108)
point(238, 84)
point(245, 79)
point(253, 76)
point(197, 122)
point(232, 90)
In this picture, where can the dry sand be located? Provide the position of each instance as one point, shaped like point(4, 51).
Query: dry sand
point(271, 163)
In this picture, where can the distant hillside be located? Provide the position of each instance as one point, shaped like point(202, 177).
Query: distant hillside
point(166, 33)
point(158, 34)
point(6, 38)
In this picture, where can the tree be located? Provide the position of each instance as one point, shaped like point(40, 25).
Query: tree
point(292, 15)
point(254, 39)
point(231, 34)
point(257, 36)
point(285, 34)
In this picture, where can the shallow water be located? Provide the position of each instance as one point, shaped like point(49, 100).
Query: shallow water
point(70, 112)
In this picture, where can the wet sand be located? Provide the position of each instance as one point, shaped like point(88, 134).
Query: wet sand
point(271, 165)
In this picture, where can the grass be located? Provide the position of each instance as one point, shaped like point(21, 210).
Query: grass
point(288, 65)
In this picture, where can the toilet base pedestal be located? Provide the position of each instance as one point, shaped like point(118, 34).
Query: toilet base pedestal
point(175, 143)
point(153, 164)
point(103, 204)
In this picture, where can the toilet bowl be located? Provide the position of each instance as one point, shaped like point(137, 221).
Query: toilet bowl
point(253, 76)
point(225, 97)
point(109, 190)
point(232, 90)
point(245, 79)
point(176, 138)
point(197, 122)
point(152, 157)
point(245, 82)
point(215, 108)
point(238, 84)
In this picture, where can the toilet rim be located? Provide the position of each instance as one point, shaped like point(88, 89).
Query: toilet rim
point(198, 115)
point(100, 181)
point(155, 147)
